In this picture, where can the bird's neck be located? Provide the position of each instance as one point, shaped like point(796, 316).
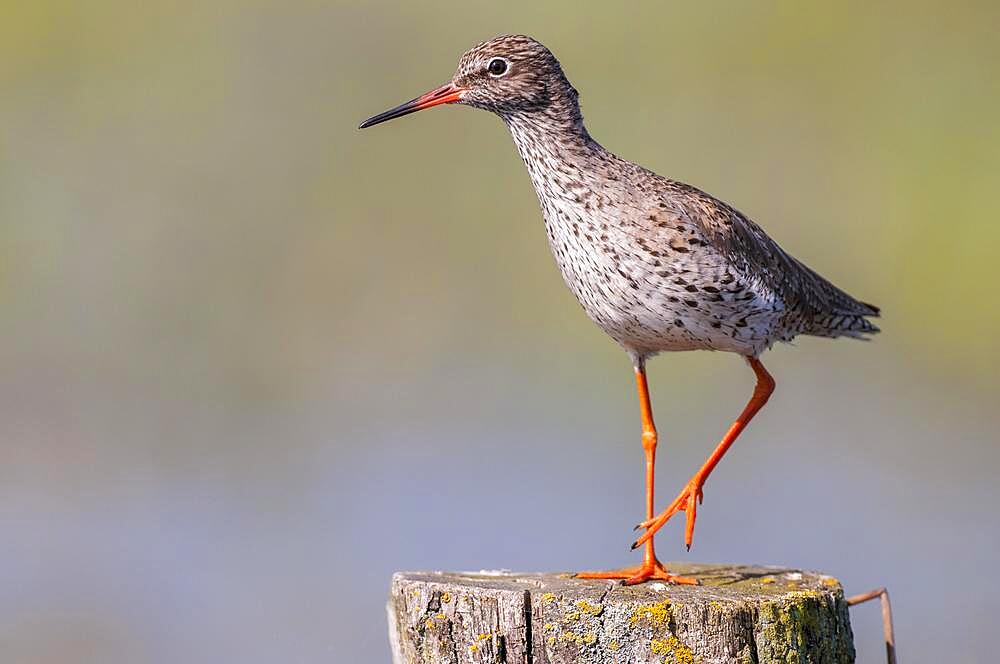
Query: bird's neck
point(559, 122)
point(557, 151)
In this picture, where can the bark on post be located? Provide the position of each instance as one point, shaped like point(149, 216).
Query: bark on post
point(739, 614)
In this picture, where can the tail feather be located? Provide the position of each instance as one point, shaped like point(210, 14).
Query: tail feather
point(854, 325)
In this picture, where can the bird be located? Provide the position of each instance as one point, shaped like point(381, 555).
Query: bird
point(658, 265)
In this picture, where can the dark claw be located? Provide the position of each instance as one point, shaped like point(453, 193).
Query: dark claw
point(635, 545)
point(637, 527)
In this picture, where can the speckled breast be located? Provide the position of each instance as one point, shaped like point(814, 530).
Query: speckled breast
point(650, 281)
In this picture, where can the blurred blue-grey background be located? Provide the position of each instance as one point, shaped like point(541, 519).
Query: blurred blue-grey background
point(253, 360)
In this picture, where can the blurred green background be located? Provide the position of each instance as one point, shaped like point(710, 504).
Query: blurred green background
point(254, 360)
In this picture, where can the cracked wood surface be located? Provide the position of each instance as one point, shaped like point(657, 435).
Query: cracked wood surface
point(741, 614)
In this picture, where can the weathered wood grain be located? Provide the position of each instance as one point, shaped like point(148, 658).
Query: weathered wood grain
point(739, 614)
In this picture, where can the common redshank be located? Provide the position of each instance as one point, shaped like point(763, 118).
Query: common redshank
point(659, 265)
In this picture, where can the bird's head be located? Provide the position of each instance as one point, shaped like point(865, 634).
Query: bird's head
point(510, 75)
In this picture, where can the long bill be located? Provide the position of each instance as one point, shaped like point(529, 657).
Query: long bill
point(449, 93)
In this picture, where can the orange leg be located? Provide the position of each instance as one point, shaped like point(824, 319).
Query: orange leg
point(651, 568)
point(691, 495)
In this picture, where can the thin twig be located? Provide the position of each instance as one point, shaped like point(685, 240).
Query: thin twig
point(887, 630)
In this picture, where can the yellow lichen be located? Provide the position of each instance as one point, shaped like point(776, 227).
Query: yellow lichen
point(441, 616)
point(482, 637)
point(657, 614)
point(548, 627)
point(591, 609)
point(830, 582)
point(572, 615)
point(614, 646)
point(672, 646)
point(473, 648)
point(429, 624)
point(577, 639)
point(552, 640)
point(548, 598)
point(446, 597)
point(767, 579)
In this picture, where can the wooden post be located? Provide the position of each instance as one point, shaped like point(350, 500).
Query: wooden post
point(739, 614)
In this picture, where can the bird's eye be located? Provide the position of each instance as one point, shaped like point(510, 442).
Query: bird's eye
point(497, 67)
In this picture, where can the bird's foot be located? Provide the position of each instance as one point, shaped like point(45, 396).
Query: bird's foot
point(687, 501)
point(651, 570)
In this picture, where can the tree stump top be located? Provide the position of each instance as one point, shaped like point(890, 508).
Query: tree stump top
point(743, 614)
